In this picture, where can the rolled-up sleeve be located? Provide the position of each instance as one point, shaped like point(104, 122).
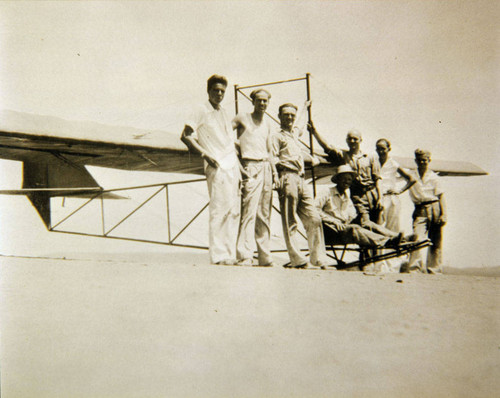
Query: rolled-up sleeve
point(438, 190)
point(275, 147)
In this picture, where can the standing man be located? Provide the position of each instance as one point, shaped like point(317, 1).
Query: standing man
point(429, 216)
point(295, 195)
point(209, 132)
point(391, 174)
point(365, 190)
point(254, 134)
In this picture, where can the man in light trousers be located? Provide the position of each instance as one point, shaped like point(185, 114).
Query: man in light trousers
point(296, 198)
point(429, 216)
point(258, 172)
point(209, 132)
point(391, 173)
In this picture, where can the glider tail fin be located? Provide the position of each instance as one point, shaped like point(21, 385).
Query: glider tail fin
point(53, 174)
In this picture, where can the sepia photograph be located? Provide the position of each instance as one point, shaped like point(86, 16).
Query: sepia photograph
point(215, 198)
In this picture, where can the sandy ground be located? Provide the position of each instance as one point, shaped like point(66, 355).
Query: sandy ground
point(184, 328)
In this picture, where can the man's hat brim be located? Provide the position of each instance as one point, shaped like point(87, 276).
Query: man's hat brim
point(334, 178)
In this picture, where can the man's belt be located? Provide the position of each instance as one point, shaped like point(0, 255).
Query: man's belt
point(358, 188)
point(422, 204)
point(282, 169)
point(254, 160)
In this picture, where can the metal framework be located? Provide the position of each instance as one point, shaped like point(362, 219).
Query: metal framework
point(338, 252)
point(107, 230)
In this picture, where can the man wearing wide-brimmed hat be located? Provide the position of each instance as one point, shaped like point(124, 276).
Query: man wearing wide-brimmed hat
point(337, 212)
point(365, 191)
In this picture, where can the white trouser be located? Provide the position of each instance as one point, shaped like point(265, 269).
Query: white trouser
point(392, 209)
point(256, 205)
point(224, 192)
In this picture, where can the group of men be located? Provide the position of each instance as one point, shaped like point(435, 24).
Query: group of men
point(245, 159)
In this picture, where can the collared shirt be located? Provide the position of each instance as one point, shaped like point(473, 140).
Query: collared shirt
point(366, 166)
point(425, 189)
point(254, 140)
point(390, 176)
point(287, 151)
point(214, 133)
point(330, 202)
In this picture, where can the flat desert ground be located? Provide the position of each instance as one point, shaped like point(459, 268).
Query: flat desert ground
point(180, 327)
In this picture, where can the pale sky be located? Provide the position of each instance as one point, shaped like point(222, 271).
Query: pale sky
point(420, 73)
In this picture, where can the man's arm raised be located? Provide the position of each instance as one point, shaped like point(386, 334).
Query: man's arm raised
point(326, 147)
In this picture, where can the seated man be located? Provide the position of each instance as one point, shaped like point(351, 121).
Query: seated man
point(365, 190)
point(337, 212)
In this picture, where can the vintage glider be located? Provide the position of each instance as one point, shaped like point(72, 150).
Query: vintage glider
point(55, 152)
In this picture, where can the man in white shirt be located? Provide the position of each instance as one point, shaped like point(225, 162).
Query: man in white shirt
point(337, 211)
point(391, 174)
point(429, 216)
point(209, 132)
point(258, 171)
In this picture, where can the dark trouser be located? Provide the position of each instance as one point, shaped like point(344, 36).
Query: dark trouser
point(364, 200)
point(369, 215)
point(425, 227)
point(353, 233)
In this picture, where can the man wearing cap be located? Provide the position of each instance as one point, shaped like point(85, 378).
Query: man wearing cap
point(337, 212)
point(429, 216)
point(296, 199)
point(365, 191)
point(258, 172)
point(209, 132)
